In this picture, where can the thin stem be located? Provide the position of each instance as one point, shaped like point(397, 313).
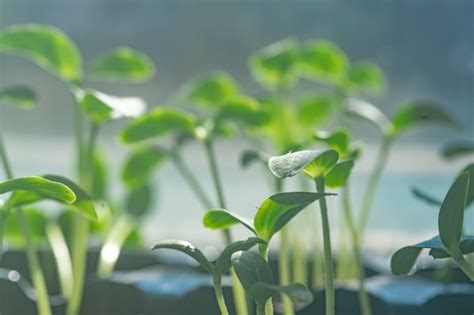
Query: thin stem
point(5, 162)
point(349, 220)
point(211, 155)
point(317, 275)
point(81, 229)
point(372, 183)
point(220, 297)
point(37, 275)
point(261, 309)
point(328, 267)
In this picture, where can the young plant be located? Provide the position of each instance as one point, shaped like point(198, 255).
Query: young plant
point(257, 279)
point(216, 269)
point(51, 49)
point(450, 242)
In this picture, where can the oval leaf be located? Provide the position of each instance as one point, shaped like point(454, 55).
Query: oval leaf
point(188, 249)
point(368, 112)
point(365, 77)
point(19, 95)
point(139, 200)
point(338, 175)
point(338, 140)
point(244, 110)
point(291, 164)
point(404, 259)
point(219, 219)
point(140, 165)
point(318, 108)
point(159, 122)
point(298, 293)
point(122, 64)
point(422, 112)
point(322, 164)
point(276, 211)
point(451, 214)
point(223, 262)
point(46, 46)
point(212, 89)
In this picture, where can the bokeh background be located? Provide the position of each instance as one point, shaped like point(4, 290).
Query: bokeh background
point(426, 49)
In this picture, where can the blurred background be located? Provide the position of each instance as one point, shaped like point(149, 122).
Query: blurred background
point(426, 49)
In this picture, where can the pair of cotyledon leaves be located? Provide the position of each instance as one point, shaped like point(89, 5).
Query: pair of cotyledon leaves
point(29, 190)
point(51, 49)
point(282, 63)
point(253, 271)
point(450, 242)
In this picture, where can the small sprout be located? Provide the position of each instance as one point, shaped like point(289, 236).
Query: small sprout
point(122, 64)
point(365, 77)
point(276, 66)
point(159, 122)
point(46, 46)
point(323, 61)
point(19, 95)
point(212, 89)
point(257, 279)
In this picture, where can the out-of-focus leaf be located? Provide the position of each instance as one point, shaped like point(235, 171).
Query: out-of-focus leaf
point(338, 175)
point(223, 262)
point(140, 165)
point(122, 64)
point(368, 112)
point(218, 219)
point(46, 46)
point(212, 89)
point(100, 180)
point(100, 107)
point(18, 95)
point(298, 293)
point(432, 201)
point(458, 149)
point(36, 221)
point(275, 212)
point(159, 122)
point(323, 61)
point(451, 214)
point(251, 156)
point(312, 161)
point(139, 200)
point(365, 77)
point(188, 249)
point(338, 140)
point(244, 110)
point(422, 112)
point(466, 246)
point(317, 109)
point(470, 192)
point(276, 66)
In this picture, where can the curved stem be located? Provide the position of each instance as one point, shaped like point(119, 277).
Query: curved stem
point(220, 297)
point(328, 267)
point(372, 183)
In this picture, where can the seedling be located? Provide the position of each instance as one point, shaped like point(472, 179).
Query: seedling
point(450, 242)
point(216, 269)
point(257, 279)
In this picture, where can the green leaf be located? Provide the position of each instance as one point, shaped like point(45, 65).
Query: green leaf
point(422, 112)
point(466, 246)
point(218, 219)
point(36, 221)
point(451, 214)
point(291, 164)
point(470, 193)
point(223, 262)
point(339, 140)
point(45, 188)
point(212, 89)
point(276, 66)
point(46, 46)
point(159, 122)
point(318, 108)
point(122, 64)
point(251, 268)
point(368, 112)
point(338, 175)
point(404, 259)
point(140, 165)
point(458, 149)
point(432, 201)
point(251, 156)
point(322, 60)
point(18, 95)
point(276, 211)
point(100, 180)
point(365, 77)
point(244, 110)
point(100, 107)
point(139, 200)
point(188, 249)
point(298, 293)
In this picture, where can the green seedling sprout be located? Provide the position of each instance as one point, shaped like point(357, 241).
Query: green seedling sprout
point(257, 279)
point(450, 242)
point(271, 217)
point(52, 50)
point(219, 267)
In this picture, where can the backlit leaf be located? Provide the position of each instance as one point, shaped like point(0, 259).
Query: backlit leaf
point(338, 175)
point(212, 89)
point(218, 219)
point(338, 140)
point(322, 164)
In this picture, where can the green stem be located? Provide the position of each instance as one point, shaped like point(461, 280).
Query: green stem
point(211, 155)
point(317, 273)
point(80, 229)
point(328, 267)
point(372, 183)
point(220, 297)
point(5, 162)
point(349, 220)
point(261, 309)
